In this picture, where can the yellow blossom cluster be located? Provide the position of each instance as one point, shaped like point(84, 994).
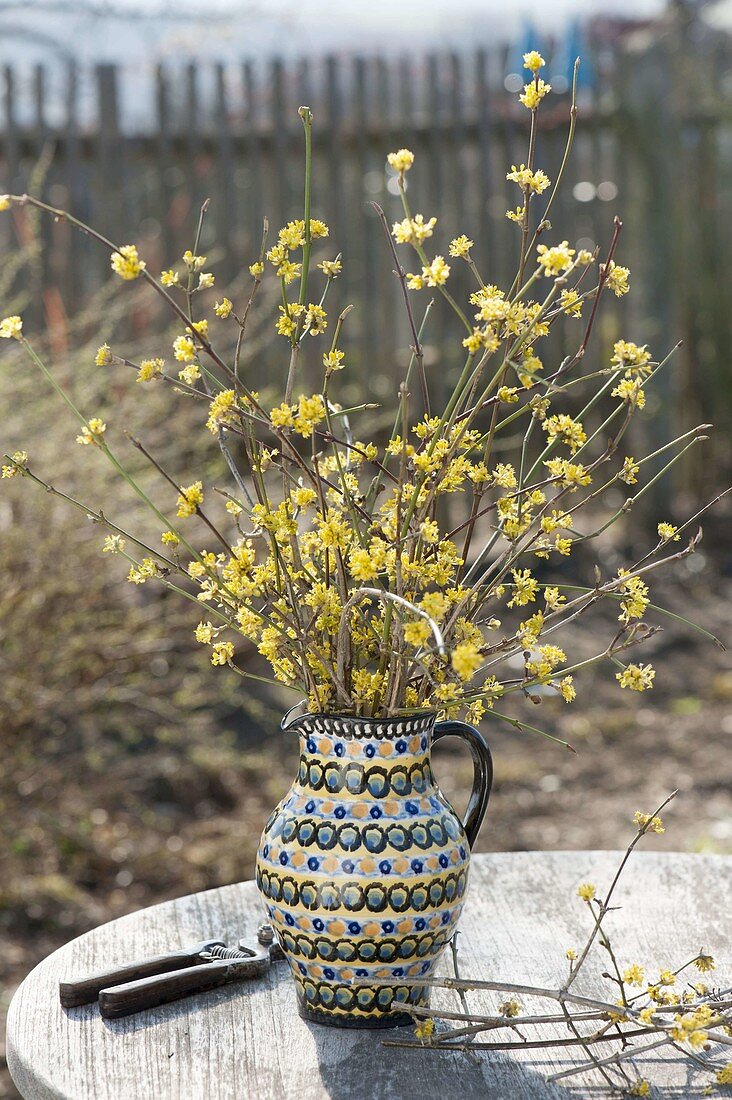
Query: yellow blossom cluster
point(401, 161)
point(413, 229)
point(18, 463)
point(11, 328)
point(150, 369)
point(92, 431)
point(636, 677)
point(534, 92)
point(303, 417)
point(190, 499)
point(373, 574)
point(126, 263)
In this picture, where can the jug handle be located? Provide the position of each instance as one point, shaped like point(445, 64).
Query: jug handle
point(482, 772)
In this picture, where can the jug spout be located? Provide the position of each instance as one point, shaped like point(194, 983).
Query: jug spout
point(292, 718)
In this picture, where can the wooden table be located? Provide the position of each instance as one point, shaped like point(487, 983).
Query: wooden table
point(246, 1040)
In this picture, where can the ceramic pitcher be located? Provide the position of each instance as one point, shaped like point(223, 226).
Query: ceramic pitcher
point(363, 865)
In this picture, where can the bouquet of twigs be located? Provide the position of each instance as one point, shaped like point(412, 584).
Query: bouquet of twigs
point(333, 555)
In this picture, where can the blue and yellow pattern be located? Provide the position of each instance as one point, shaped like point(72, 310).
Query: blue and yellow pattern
point(363, 867)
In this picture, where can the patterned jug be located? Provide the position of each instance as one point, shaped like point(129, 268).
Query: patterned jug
point(363, 865)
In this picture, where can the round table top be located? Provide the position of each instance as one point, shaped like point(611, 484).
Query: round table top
point(246, 1039)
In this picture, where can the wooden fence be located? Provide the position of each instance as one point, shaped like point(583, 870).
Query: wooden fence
point(135, 154)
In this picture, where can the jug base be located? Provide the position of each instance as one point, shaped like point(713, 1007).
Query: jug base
point(342, 1019)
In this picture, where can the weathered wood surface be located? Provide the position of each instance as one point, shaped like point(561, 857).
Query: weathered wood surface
point(247, 1041)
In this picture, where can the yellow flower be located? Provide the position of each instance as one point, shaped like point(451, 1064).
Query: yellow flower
point(189, 374)
point(233, 508)
point(636, 599)
point(666, 977)
point(292, 235)
point(113, 544)
point(567, 690)
point(19, 460)
point(617, 279)
point(361, 565)
point(586, 891)
point(544, 661)
point(460, 246)
point(528, 180)
point(170, 277)
point(437, 272)
point(103, 357)
point(480, 338)
point(189, 500)
point(524, 589)
point(466, 660)
point(533, 94)
point(425, 1029)
point(303, 497)
point(553, 598)
point(534, 61)
point(142, 573)
point(629, 472)
point(646, 1014)
point(570, 474)
point(205, 633)
point(149, 369)
point(315, 319)
point(126, 263)
point(570, 303)
point(435, 604)
point(92, 432)
point(169, 538)
point(223, 308)
point(636, 677)
point(331, 268)
point(631, 356)
point(184, 349)
point(222, 411)
point(194, 262)
point(11, 327)
point(704, 963)
point(429, 531)
point(641, 1088)
point(530, 366)
point(516, 215)
point(4, 202)
point(406, 231)
point(201, 327)
point(318, 228)
point(630, 390)
point(571, 954)
point(667, 532)
point(555, 260)
point(281, 416)
point(205, 280)
point(310, 411)
point(256, 269)
point(510, 1008)
point(724, 1075)
point(653, 825)
point(333, 360)
point(504, 475)
point(633, 975)
point(564, 428)
point(222, 653)
point(401, 161)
